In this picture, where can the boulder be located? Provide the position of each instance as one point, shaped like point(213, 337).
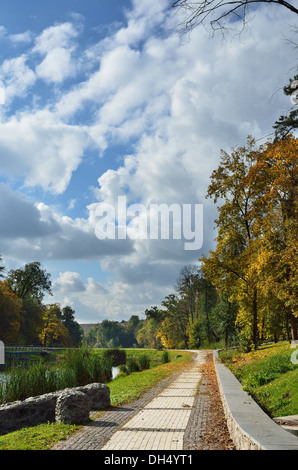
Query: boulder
point(98, 394)
point(42, 408)
point(72, 407)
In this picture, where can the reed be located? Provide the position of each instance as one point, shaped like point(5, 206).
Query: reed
point(78, 368)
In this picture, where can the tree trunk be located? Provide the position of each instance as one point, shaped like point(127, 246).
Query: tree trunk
point(255, 319)
point(294, 327)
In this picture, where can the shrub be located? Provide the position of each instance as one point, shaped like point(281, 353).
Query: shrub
point(132, 365)
point(144, 362)
point(118, 356)
point(165, 357)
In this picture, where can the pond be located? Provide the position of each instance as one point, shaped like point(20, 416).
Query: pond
point(115, 371)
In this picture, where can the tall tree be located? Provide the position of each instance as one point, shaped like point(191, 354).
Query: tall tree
point(74, 329)
point(31, 322)
point(177, 313)
point(10, 318)
point(224, 314)
point(227, 266)
point(147, 335)
point(30, 282)
point(275, 173)
point(54, 332)
point(188, 286)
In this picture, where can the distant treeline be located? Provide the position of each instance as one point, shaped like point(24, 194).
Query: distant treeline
point(114, 334)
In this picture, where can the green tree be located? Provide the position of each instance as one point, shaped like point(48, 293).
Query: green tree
point(225, 314)
point(177, 313)
point(91, 337)
point(31, 322)
point(74, 329)
point(1, 267)
point(108, 334)
point(286, 124)
point(30, 282)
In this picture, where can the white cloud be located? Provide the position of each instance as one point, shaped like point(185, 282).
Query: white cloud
point(17, 77)
point(43, 149)
point(25, 37)
point(57, 44)
point(178, 102)
point(57, 66)
point(70, 282)
point(60, 35)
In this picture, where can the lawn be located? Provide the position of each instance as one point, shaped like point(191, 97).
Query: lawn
point(268, 375)
point(124, 389)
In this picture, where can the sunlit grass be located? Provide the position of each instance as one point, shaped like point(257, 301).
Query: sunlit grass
point(41, 437)
point(269, 376)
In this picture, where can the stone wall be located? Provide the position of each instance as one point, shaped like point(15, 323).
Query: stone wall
point(43, 408)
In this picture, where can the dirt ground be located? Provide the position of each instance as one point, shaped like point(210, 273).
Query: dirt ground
point(216, 434)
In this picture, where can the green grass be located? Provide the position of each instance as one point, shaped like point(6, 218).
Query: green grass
point(269, 376)
point(124, 389)
point(41, 437)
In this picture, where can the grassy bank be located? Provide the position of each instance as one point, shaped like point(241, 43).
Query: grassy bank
point(268, 375)
point(124, 389)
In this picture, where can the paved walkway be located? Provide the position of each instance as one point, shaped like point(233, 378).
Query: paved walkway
point(168, 417)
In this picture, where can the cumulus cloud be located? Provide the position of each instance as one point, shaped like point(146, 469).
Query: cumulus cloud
point(44, 150)
point(69, 282)
point(174, 103)
point(33, 231)
point(17, 77)
point(60, 35)
point(57, 66)
point(20, 218)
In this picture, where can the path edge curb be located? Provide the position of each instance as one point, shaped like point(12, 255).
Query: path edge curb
point(249, 426)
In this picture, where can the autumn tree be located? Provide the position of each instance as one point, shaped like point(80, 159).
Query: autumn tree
point(10, 308)
point(227, 266)
point(275, 174)
point(53, 331)
point(147, 334)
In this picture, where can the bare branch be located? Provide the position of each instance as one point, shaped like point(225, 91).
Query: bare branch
point(216, 11)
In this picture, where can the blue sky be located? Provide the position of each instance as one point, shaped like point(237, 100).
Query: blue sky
point(105, 99)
